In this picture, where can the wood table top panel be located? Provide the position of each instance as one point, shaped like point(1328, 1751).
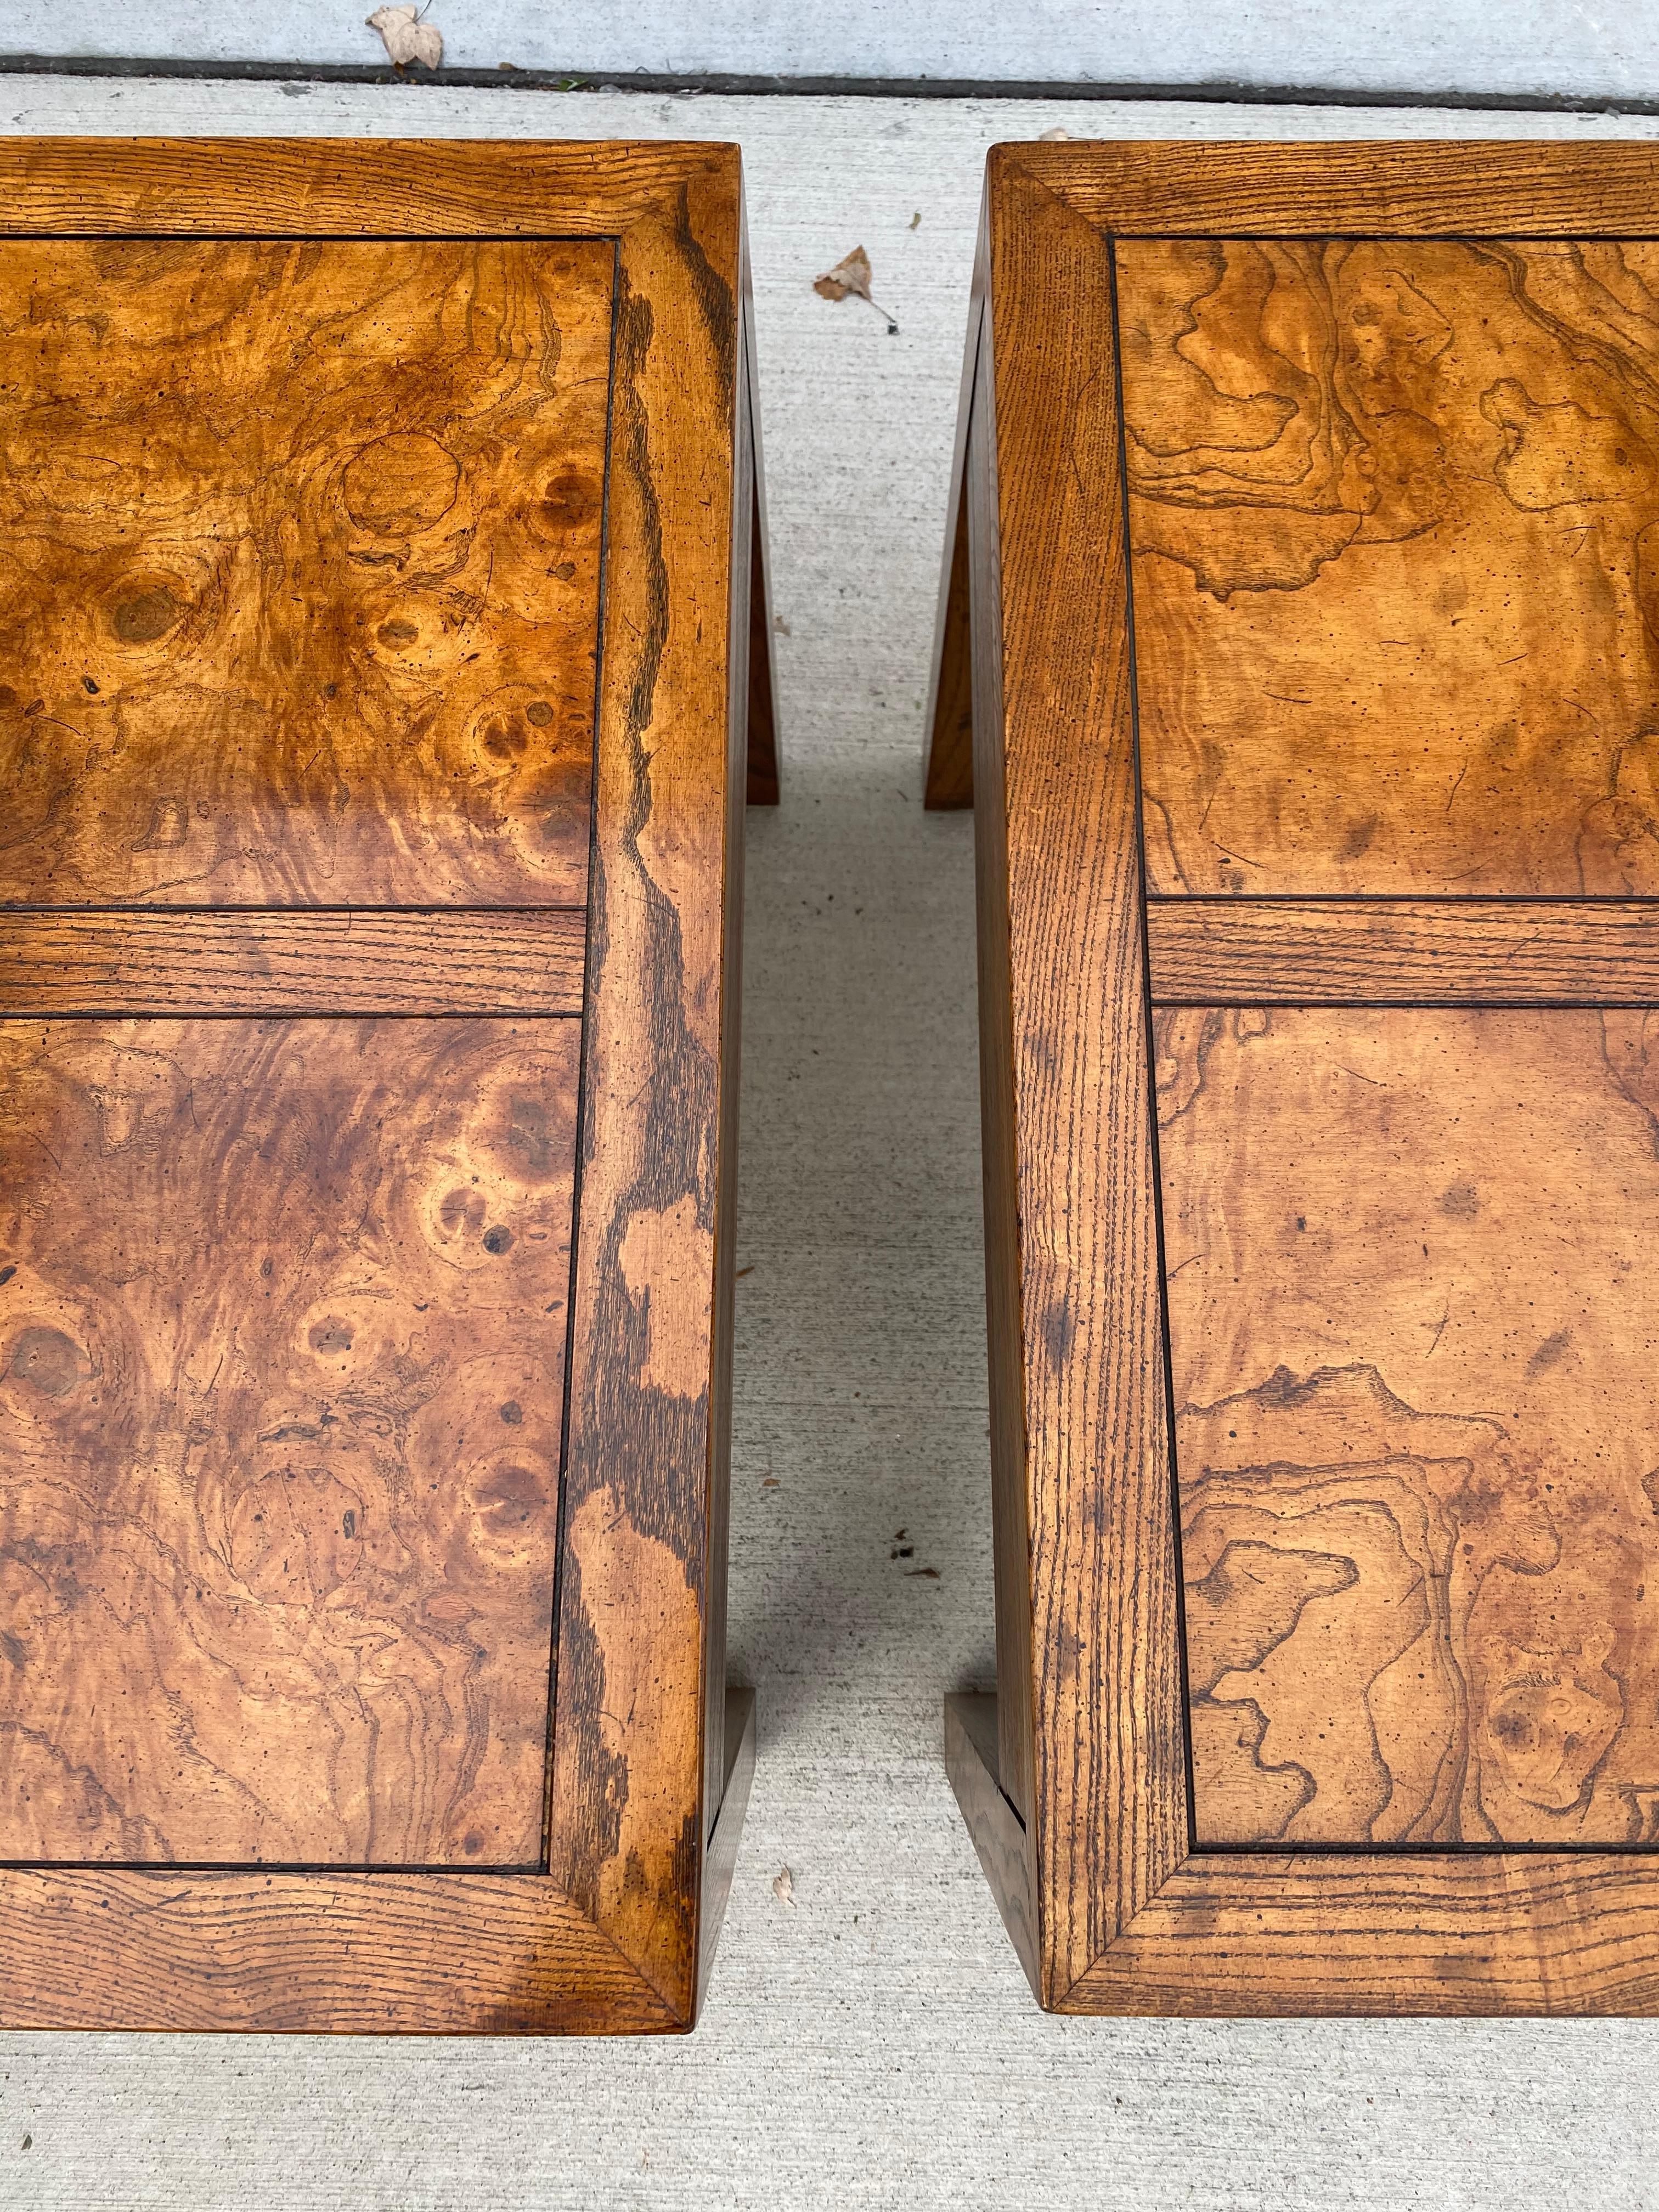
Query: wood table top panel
point(1413, 1319)
point(1392, 509)
point(1380, 568)
point(378, 695)
point(299, 544)
point(282, 1316)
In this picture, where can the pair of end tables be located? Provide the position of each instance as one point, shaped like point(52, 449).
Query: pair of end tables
point(386, 668)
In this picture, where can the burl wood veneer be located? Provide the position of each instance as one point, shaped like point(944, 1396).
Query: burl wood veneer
point(1300, 655)
point(383, 664)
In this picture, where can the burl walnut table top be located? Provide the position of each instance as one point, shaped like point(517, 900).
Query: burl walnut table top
point(377, 530)
point(1304, 614)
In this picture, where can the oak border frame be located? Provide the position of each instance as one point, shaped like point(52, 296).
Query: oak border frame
point(617, 1934)
point(1073, 1779)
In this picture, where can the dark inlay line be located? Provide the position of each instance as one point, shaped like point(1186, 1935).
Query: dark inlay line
point(1408, 1852)
point(241, 1869)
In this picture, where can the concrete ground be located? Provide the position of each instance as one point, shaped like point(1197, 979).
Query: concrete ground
point(1429, 47)
point(869, 2039)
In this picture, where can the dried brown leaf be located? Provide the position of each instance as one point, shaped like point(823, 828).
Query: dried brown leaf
point(406, 38)
point(850, 274)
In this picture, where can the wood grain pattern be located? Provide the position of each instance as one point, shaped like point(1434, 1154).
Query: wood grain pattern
point(748, 564)
point(1264, 952)
point(1553, 1933)
point(1410, 1310)
point(283, 1337)
point(313, 1954)
point(1392, 515)
point(1108, 1817)
point(141, 961)
point(327, 188)
point(1361, 188)
point(644, 1458)
point(1010, 1514)
point(301, 558)
point(1415, 1542)
point(613, 1939)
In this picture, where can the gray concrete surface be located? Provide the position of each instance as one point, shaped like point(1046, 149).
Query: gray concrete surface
point(870, 2042)
point(1421, 46)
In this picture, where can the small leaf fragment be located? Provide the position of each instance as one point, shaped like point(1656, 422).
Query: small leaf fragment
point(406, 38)
point(850, 279)
point(850, 274)
point(783, 1887)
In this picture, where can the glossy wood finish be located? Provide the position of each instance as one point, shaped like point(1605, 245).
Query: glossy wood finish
point(1405, 1615)
point(497, 273)
point(1417, 1552)
point(339, 506)
point(283, 1338)
point(1333, 696)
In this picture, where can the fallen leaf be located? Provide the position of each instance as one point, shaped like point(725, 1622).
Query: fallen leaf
point(915, 220)
point(406, 38)
point(850, 274)
point(783, 1887)
point(850, 279)
point(1058, 132)
point(768, 1482)
point(923, 1574)
point(742, 1272)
